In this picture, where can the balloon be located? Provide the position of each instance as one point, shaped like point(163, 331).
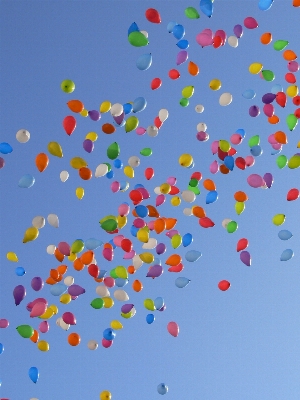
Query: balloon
point(22, 136)
point(245, 258)
point(33, 374)
point(182, 282)
point(20, 271)
point(185, 160)
point(206, 222)
point(64, 175)
point(294, 161)
point(268, 75)
point(19, 293)
point(238, 31)
point(44, 327)
point(69, 318)
point(55, 149)
point(67, 86)
point(69, 124)
point(174, 74)
point(233, 41)
point(26, 181)
point(266, 38)
point(204, 39)
point(74, 339)
point(4, 323)
point(278, 219)
point(206, 6)
point(43, 345)
point(26, 331)
point(150, 318)
point(131, 124)
point(193, 255)
point(254, 111)
point(41, 161)
point(242, 244)
point(255, 181)
point(187, 239)
point(5, 148)
point(156, 83)
point(105, 395)
point(153, 16)
point(224, 285)
point(225, 99)
point(291, 121)
point(178, 31)
point(249, 94)
point(92, 345)
point(144, 62)
point(75, 290)
point(293, 194)
point(250, 23)
point(162, 388)
point(38, 309)
point(11, 256)
point(1, 348)
point(182, 56)
point(53, 220)
point(155, 271)
point(211, 197)
point(284, 235)
point(255, 68)
point(265, 5)
point(231, 226)
point(286, 255)
point(173, 328)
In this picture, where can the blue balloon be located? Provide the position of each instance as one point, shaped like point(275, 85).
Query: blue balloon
point(5, 148)
point(241, 132)
point(92, 244)
point(134, 230)
point(187, 239)
point(193, 255)
point(20, 271)
point(159, 303)
point(211, 197)
point(139, 104)
point(150, 318)
point(112, 243)
point(249, 94)
point(274, 152)
point(276, 88)
point(144, 62)
point(229, 162)
point(133, 28)
point(110, 174)
point(142, 211)
point(33, 374)
point(102, 274)
point(285, 234)
point(127, 107)
point(206, 6)
point(157, 261)
point(1, 348)
point(181, 282)
point(286, 255)
point(138, 185)
point(178, 32)
point(191, 166)
point(170, 26)
point(58, 289)
point(256, 150)
point(109, 334)
point(26, 181)
point(121, 282)
point(124, 185)
point(118, 163)
point(183, 44)
point(265, 5)
point(162, 388)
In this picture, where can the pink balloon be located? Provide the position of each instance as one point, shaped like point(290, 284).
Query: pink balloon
point(173, 328)
point(64, 248)
point(268, 110)
point(109, 281)
point(69, 318)
point(4, 323)
point(108, 254)
point(160, 199)
point(293, 66)
point(150, 225)
point(129, 255)
point(139, 223)
point(107, 343)
point(172, 180)
point(255, 181)
point(271, 139)
point(171, 233)
point(123, 209)
point(208, 32)
point(140, 131)
point(204, 39)
point(250, 161)
point(38, 309)
point(214, 167)
point(118, 239)
point(276, 146)
point(214, 146)
point(44, 327)
point(115, 186)
point(236, 138)
point(222, 35)
point(182, 56)
point(38, 300)
point(250, 23)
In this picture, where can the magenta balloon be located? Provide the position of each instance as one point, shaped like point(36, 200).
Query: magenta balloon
point(144, 192)
point(276, 146)
point(268, 178)
point(115, 186)
point(160, 199)
point(37, 283)
point(214, 146)
point(107, 343)
point(155, 271)
point(38, 300)
point(74, 297)
point(75, 290)
point(250, 161)
point(2, 162)
point(88, 145)
point(268, 98)
point(126, 308)
point(119, 119)
point(254, 111)
point(64, 248)
point(94, 115)
point(269, 110)
point(173, 328)
point(19, 293)
point(4, 323)
point(129, 255)
point(245, 258)
point(238, 31)
point(172, 232)
point(202, 136)
point(160, 248)
point(69, 318)
point(38, 309)
point(139, 223)
point(108, 254)
point(222, 35)
point(214, 167)
point(204, 39)
point(44, 327)
point(293, 66)
point(250, 23)
point(182, 56)
point(255, 181)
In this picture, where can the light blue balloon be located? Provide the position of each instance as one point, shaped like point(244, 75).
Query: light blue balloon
point(33, 374)
point(133, 28)
point(102, 274)
point(286, 255)
point(181, 282)
point(276, 88)
point(187, 239)
point(92, 244)
point(285, 234)
point(256, 151)
point(274, 152)
point(5, 148)
point(191, 166)
point(121, 282)
point(178, 32)
point(1, 348)
point(139, 104)
point(159, 303)
point(265, 5)
point(229, 162)
point(183, 44)
point(162, 388)
point(144, 62)
point(193, 255)
point(127, 107)
point(211, 197)
point(134, 230)
point(138, 185)
point(20, 271)
point(58, 289)
point(157, 261)
point(26, 181)
point(241, 132)
point(249, 94)
point(124, 185)
point(206, 6)
point(118, 163)
point(150, 318)
point(170, 26)
point(110, 174)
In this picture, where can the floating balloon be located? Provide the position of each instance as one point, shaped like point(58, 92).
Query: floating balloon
point(286, 255)
point(33, 374)
point(173, 328)
point(224, 285)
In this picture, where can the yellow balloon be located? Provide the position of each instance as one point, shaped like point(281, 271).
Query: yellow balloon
point(292, 91)
point(11, 256)
point(165, 188)
point(121, 272)
point(175, 201)
point(185, 160)
point(65, 298)
point(122, 221)
point(105, 106)
point(55, 149)
point(84, 113)
point(78, 162)
point(239, 207)
point(43, 345)
point(278, 219)
point(30, 234)
point(187, 92)
point(72, 257)
point(294, 162)
point(298, 145)
point(148, 258)
point(115, 324)
point(149, 304)
point(129, 172)
point(92, 136)
point(108, 302)
point(224, 145)
point(54, 308)
point(79, 193)
point(142, 235)
point(255, 68)
point(47, 314)
point(215, 84)
point(105, 395)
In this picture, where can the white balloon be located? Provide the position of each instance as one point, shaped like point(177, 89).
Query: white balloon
point(34, 398)
point(137, 262)
point(163, 114)
point(151, 244)
point(53, 220)
point(225, 99)
point(58, 321)
point(51, 249)
point(152, 131)
point(121, 295)
point(102, 291)
point(133, 312)
point(92, 345)
point(63, 325)
point(116, 109)
point(101, 170)
point(157, 190)
point(134, 161)
point(201, 127)
point(188, 196)
point(233, 41)
point(188, 212)
point(23, 136)
point(199, 108)
point(225, 222)
point(145, 33)
point(38, 222)
point(69, 280)
point(64, 175)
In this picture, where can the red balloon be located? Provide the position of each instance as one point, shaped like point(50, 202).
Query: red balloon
point(174, 190)
point(126, 245)
point(232, 151)
point(156, 83)
point(149, 173)
point(153, 16)
point(222, 154)
point(157, 122)
point(206, 222)
point(176, 268)
point(224, 285)
point(281, 99)
point(218, 41)
point(174, 74)
point(242, 244)
point(240, 163)
point(297, 113)
point(94, 270)
point(69, 124)
point(293, 194)
point(135, 196)
point(296, 100)
point(196, 175)
point(290, 77)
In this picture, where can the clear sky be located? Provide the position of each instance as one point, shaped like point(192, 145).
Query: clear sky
point(237, 344)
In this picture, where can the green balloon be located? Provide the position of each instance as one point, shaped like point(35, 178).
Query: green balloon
point(77, 246)
point(113, 151)
point(184, 102)
point(146, 151)
point(268, 75)
point(291, 121)
point(108, 166)
point(193, 182)
point(97, 303)
point(26, 331)
point(176, 241)
point(254, 141)
point(280, 44)
point(191, 13)
point(137, 39)
point(281, 161)
point(106, 218)
point(232, 227)
point(131, 123)
point(294, 162)
point(109, 225)
point(194, 190)
point(113, 274)
point(67, 86)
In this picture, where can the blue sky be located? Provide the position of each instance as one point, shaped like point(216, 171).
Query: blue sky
point(242, 343)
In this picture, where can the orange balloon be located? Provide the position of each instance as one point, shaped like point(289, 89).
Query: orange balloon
point(159, 225)
point(35, 337)
point(289, 55)
point(62, 269)
point(54, 274)
point(98, 279)
point(209, 184)
point(108, 129)
point(85, 173)
point(131, 269)
point(273, 120)
point(137, 285)
point(174, 259)
point(153, 211)
point(58, 255)
point(240, 196)
point(41, 161)
point(170, 223)
point(224, 170)
point(74, 339)
point(78, 264)
point(75, 106)
point(107, 246)
point(51, 281)
point(193, 68)
point(134, 213)
point(280, 137)
point(296, 3)
point(87, 257)
point(266, 38)
point(198, 212)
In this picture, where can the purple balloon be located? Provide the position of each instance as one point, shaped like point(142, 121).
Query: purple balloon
point(268, 98)
point(202, 136)
point(182, 56)
point(163, 308)
point(245, 258)
point(238, 31)
point(19, 293)
point(119, 119)
point(155, 271)
point(255, 181)
point(37, 283)
point(94, 115)
point(75, 290)
point(2, 162)
point(171, 233)
point(161, 248)
point(126, 308)
point(130, 255)
point(88, 145)
point(4, 323)
point(254, 111)
point(64, 248)
point(268, 178)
